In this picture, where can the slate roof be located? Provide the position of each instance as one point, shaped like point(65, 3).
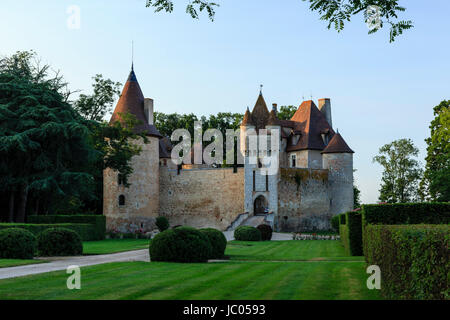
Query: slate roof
point(337, 145)
point(311, 124)
point(132, 101)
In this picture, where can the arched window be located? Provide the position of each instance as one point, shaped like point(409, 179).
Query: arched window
point(120, 179)
point(121, 200)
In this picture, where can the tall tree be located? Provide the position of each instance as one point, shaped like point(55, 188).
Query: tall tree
point(376, 13)
point(96, 105)
point(286, 112)
point(402, 172)
point(436, 180)
point(43, 142)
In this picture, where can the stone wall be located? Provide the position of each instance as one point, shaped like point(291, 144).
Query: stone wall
point(141, 198)
point(202, 197)
point(303, 200)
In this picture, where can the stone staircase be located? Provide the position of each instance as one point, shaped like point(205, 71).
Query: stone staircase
point(253, 221)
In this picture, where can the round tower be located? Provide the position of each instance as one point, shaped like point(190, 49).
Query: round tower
point(128, 209)
point(337, 157)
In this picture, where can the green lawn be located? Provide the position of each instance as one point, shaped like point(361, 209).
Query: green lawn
point(4, 263)
point(114, 245)
point(308, 272)
point(299, 250)
point(227, 280)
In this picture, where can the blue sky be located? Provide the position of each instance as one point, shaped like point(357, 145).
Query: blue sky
point(379, 91)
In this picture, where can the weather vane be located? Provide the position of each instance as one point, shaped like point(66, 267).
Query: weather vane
point(260, 88)
point(132, 54)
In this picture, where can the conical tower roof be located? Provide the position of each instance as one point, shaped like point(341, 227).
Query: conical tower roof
point(247, 121)
point(337, 145)
point(260, 113)
point(132, 101)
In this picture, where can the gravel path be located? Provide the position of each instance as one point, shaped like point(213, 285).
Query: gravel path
point(61, 263)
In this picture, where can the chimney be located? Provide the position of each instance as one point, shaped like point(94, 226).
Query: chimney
point(325, 108)
point(148, 110)
point(274, 107)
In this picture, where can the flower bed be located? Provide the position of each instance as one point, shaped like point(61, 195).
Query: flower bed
point(314, 236)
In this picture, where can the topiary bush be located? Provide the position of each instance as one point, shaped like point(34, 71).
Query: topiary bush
point(218, 242)
point(162, 223)
point(266, 232)
point(59, 242)
point(247, 233)
point(183, 244)
point(17, 243)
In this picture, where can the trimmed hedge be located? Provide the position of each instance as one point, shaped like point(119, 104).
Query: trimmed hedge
point(335, 222)
point(218, 242)
point(352, 234)
point(413, 259)
point(342, 218)
point(162, 223)
point(247, 233)
point(183, 244)
point(266, 232)
point(87, 232)
point(16, 243)
point(406, 213)
point(59, 242)
point(98, 221)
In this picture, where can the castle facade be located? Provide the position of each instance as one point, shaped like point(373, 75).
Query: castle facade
point(313, 181)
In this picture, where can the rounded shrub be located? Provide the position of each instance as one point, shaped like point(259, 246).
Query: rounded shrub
point(266, 232)
point(247, 233)
point(162, 223)
point(17, 243)
point(59, 242)
point(183, 244)
point(217, 240)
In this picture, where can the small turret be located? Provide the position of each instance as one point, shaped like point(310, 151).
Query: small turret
point(337, 157)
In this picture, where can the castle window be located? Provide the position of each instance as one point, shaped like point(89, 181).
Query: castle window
point(121, 200)
point(267, 181)
point(254, 178)
point(120, 179)
point(293, 161)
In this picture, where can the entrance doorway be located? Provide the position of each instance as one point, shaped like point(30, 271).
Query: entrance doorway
point(260, 206)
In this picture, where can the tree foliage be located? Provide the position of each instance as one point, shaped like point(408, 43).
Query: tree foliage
point(192, 8)
point(377, 13)
point(402, 172)
point(43, 142)
point(100, 102)
point(436, 180)
point(286, 112)
point(335, 12)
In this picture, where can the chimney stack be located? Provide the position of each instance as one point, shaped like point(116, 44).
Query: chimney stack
point(325, 108)
point(274, 107)
point(148, 110)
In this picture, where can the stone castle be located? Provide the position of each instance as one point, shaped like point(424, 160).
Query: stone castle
point(314, 180)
